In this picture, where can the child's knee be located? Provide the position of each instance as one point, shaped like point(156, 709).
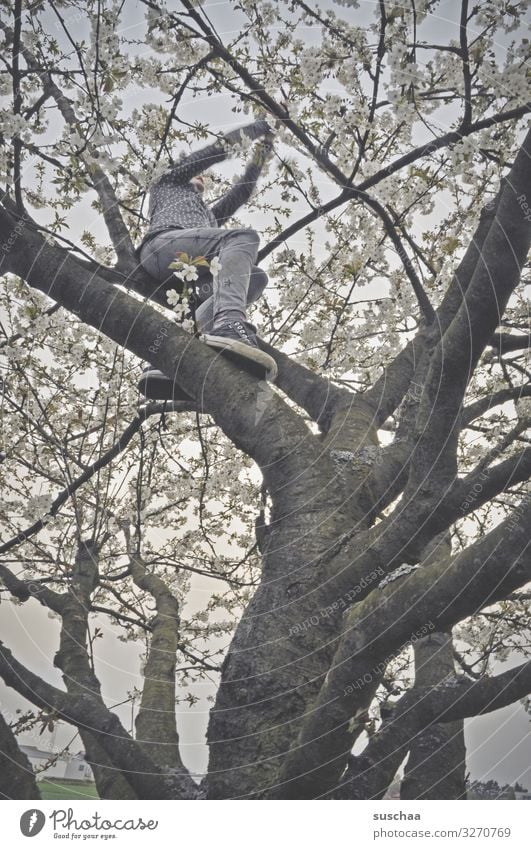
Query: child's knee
point(244, 236)
point(257, 283)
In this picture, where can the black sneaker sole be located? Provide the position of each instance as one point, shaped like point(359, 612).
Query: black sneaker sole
point(158, 387)
point(253, 360)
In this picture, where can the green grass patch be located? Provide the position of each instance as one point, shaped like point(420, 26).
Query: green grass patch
point(60, 789)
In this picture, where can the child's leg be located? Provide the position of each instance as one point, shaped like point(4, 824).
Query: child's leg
point(204, 313)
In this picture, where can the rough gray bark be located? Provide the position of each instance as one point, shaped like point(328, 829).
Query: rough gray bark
point(17, 779)
point(123, 768)
point(369, 775)
point(435, 767)
point(78, 675)
point(87, 713)
point(156, 726)
point(489, 569)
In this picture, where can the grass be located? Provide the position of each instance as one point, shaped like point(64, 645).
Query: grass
point(61, 789)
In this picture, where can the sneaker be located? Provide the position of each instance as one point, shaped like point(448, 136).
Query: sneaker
point(237, 339)
point(157, 386)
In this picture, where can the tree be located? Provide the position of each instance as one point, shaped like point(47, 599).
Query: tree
point(491, 790)
point(388, 468)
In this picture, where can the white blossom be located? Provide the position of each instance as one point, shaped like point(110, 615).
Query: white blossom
point(172, 296)
point(215, 267)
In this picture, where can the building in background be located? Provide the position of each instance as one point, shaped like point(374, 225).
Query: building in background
point(62, 765)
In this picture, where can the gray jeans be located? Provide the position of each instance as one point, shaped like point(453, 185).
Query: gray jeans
point(240, 281)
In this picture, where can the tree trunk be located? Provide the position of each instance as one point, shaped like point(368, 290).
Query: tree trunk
point(156, 724)
point(72, 658)
point(17, 779)
point(436, 765)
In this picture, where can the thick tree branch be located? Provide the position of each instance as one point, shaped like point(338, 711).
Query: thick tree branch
point(89, 714)
point(265, 431)
point(485, 482)
point(497, 273)
point(436, 765)
point(24, 589)
point(505, 343)
point(397, 380)
point(402, 382)
point(156, 725)
point(454, 699)
point(72, 657)
point(439, 597)
point(316, 395)
point(78, 673)
point(484, 405)
point(17, 779)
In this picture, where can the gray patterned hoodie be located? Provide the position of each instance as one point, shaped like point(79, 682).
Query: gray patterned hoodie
point(175, 203)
